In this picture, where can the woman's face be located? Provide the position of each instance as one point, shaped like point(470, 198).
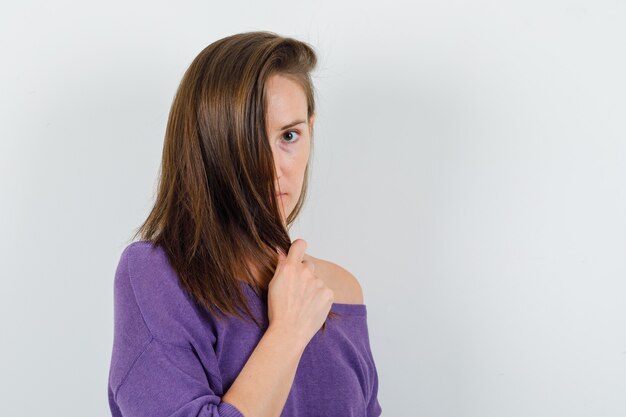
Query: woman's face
point(289, 133)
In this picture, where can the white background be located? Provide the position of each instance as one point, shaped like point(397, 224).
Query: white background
point(469, 168)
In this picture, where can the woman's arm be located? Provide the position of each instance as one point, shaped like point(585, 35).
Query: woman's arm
point(262, 386)
point(298, 303)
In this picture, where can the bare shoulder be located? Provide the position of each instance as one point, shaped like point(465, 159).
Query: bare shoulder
point(344, 284)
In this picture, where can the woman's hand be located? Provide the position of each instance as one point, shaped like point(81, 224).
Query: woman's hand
point(298, 301)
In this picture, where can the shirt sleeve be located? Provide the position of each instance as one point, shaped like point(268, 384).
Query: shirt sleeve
point(150, 377)
point(373, 407)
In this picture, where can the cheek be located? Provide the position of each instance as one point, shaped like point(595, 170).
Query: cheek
point(302, 153)
point(295, 158)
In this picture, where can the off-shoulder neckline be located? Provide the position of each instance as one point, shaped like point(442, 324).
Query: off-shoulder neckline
point(342, 308)
point(354, 309)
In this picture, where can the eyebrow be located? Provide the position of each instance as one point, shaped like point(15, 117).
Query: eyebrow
point(297, 122)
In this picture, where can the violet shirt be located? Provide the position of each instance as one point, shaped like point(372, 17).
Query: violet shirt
point(172, 358)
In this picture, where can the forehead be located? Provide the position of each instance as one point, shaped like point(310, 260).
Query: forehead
point(285, 101)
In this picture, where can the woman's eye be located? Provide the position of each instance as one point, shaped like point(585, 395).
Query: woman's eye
point(288, 136)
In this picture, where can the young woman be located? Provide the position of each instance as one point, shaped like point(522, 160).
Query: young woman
point(217, 312)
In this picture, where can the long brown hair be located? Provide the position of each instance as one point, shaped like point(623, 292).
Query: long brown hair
point(215, 208)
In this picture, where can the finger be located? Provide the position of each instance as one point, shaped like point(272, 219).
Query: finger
point(309, 265)
point(296, 251)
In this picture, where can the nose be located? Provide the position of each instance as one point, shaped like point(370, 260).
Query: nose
point(278, 167)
